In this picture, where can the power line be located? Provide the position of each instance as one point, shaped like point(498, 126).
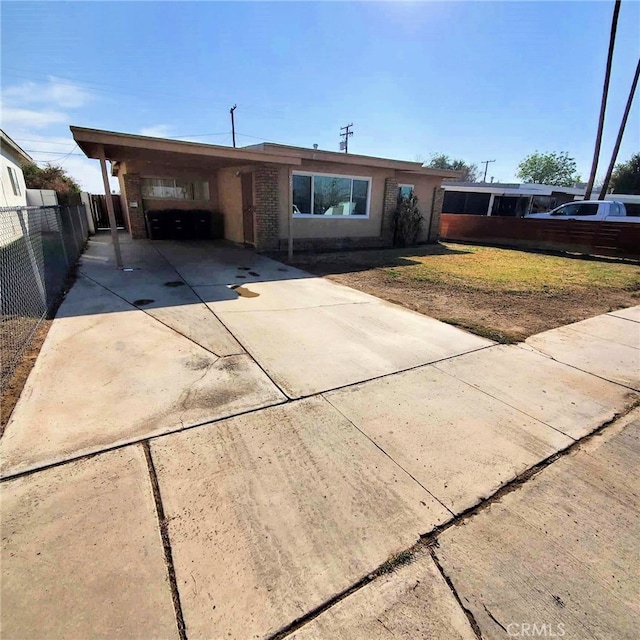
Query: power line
point(65, 158)
point(111, 89)
point(55, 153)
point(40, 140)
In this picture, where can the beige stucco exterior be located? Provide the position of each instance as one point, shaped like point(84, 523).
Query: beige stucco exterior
point(350, 226)
point(334, 226)
point(272, 166)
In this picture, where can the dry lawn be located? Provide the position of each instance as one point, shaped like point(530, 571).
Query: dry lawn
point(502, 294)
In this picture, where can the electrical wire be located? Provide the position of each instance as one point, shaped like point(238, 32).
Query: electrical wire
point(109, 88)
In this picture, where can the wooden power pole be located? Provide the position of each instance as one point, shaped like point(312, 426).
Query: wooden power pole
point(603, 103)
point(233, 124)
point(623, 124)
point(486, 166)
point(344, 144)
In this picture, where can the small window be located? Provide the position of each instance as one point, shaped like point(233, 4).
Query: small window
point(405, 190)
point(174, 189)
point(15, 183)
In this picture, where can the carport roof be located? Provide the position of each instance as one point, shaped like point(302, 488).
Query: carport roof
point(120, 147)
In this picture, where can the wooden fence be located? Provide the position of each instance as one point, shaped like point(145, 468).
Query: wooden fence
point(100, 215)
point(619, 239)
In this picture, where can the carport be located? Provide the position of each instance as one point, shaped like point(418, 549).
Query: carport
point(220, 186)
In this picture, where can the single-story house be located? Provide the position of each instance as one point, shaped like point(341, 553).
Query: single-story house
point(265, 195)
point(12, 157)
point(500, 199)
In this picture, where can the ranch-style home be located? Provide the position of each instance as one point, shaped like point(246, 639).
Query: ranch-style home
point(265, 195)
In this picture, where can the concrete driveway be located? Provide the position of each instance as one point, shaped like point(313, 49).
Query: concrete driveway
point(213, 444)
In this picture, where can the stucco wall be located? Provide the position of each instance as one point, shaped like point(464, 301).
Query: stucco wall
point(338, 226)
point(230, 203)
point(7, 197)
point(352, 227)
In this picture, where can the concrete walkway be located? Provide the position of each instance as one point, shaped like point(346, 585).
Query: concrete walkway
point(216, 445)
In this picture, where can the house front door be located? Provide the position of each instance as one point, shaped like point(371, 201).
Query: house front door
point(247, 206)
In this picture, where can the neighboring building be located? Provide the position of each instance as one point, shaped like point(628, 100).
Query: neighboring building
point(14, 190)
point(264, 192)
point(498, 199)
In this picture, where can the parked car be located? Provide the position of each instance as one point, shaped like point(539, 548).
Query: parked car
point(613, 211)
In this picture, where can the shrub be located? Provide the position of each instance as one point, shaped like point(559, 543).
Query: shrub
point(406, 222)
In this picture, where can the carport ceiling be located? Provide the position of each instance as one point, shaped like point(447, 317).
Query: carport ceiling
point(120, 147)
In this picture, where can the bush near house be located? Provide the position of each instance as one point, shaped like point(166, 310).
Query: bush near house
point(407, 221)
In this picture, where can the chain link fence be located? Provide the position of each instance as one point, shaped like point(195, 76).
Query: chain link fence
point(38, 248)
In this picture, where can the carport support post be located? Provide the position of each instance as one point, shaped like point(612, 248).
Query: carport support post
point(110, 211)
point(290, 219)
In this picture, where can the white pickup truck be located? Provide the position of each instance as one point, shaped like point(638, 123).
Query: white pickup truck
point(610, 210)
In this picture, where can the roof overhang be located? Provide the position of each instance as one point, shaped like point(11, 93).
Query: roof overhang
point(121, 147)
point(15, 148)
point(428, 171)
point(320, 155)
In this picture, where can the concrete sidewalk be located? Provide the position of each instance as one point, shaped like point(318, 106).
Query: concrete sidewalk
point(262, 441)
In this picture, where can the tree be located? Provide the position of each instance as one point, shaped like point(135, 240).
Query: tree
point(626, 176)
point(442, 161)
point(549, 168)
point(49, 177)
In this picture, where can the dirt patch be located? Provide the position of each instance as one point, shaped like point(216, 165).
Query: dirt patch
point(496, 293)
point(15, 384)
point(10, 392)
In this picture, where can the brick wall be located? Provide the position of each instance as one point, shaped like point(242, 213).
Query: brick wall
point(436, 212)
point(133, 193)
point(388, 210)
point(266, 206)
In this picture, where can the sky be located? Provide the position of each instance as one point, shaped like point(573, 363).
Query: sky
point(474, 80)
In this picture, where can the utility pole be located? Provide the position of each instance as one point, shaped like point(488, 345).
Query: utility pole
point(603, 104)
point(486, 166)
point(233, 124)
point(344, 144)
point(623, 124)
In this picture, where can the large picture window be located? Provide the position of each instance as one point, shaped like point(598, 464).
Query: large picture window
point(174, 189)
point(328, 195)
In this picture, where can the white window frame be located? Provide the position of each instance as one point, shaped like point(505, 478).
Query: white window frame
point(192, 180)
point(333, 175)
point(412, 186)
point(15, 182)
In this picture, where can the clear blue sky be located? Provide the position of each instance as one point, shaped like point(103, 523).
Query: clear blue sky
point(475, 80)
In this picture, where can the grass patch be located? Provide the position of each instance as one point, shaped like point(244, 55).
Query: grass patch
point(493, 269)
point(502, 294)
